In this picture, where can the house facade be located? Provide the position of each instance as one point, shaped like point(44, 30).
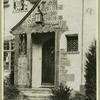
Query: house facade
point(50, 44)
point(46, 52)
point(38, 46)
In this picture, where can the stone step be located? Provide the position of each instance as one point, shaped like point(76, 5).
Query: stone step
point(40, 98)
point(37, 93)
point(36, 90)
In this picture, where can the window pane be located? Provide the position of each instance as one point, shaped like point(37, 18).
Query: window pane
point(6, 61)
point(72, 43)
point(6, 46)
point(5, 55)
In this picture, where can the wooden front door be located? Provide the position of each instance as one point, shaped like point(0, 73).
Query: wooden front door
point(48, 62)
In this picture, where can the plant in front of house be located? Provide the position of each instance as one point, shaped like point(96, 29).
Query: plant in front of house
point(11, 92)
point(90, 75)
point(61, 92)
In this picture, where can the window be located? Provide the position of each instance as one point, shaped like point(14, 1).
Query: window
point(20, 5)
point(23, 44)
point(72, 43)
point(6, 46)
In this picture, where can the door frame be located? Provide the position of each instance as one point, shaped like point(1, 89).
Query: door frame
point(49, 33)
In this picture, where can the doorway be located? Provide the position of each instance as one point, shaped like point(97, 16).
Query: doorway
point(43, 59)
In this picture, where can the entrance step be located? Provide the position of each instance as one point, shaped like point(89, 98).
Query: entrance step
point(37, 93)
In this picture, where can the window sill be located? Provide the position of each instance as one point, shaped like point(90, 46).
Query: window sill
point(73, 52)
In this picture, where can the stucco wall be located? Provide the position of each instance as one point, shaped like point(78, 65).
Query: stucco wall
point(70, 73)
point(72, 14)
point(70, 65)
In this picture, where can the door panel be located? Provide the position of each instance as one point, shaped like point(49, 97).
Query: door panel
point(48, 61)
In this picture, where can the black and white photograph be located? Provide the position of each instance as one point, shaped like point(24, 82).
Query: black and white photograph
point(50, 49)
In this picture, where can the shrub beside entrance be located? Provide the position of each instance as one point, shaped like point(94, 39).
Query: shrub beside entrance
point(61, 92)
